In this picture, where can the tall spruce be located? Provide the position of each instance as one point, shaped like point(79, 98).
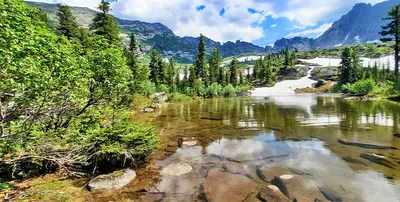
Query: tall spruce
point(393, 29)
point(233, 70)
point(68, 26)
point(105, 25)
point(345, 66)
point(139, 72)
point(155, 66)
point(355, 68)
point(214, 65)
point(200, 64)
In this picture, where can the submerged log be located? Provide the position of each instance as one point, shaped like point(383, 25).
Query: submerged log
point(379, 159)
point(368, 145)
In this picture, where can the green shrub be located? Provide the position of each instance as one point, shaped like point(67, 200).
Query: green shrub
point(229, 91)
point(146, 87)
point(189, 92)
point(361, 87)
point(215, 90)
point(162, 88)
point(177, 97)
point(140, 101)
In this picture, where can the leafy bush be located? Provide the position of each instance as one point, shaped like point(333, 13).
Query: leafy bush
point(177, 97)
point(229, 91)
point(361, 87)
point(162, 88)
point(214, 90)
point(146, 87)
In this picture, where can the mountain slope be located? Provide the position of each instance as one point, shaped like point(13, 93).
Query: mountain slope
point(361, 24)
point(159, 36)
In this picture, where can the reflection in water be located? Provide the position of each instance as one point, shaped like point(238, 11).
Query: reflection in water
point(297, 131)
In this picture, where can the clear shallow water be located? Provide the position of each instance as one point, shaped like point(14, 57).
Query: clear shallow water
point(299, 132)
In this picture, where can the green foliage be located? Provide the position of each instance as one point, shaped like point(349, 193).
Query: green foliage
point(74, 95)
point(214, 90)
point(5, 186)
point(162, 88)
point(229, 91)
point(392, 29)
point(233, 70)
point(350, 67)
point(361, 87)
point(68, 26)
point(105, 25)
point(177, 97)
point(146, 87)
point(200, 64)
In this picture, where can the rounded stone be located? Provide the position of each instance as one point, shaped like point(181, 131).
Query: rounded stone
point(177, 169)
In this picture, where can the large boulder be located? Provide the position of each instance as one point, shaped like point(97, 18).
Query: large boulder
point(365, 144)
point(226, 187)
point(268, 173)
point(159, 97)
point(379, 159)
point(272, 194)
point(115, 180)
point(239, 168)
point(298, 188)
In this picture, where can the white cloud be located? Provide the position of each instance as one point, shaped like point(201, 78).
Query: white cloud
point(311, 32)
point(273, 25)
point(182, 17)
point(309, 12)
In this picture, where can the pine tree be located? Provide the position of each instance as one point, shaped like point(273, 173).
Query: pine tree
point(393, 29)
point(193, 80)
point(68, 26)
point(200, 64)
point(177, 79)
point(171, 74)
point(345, 66)
point(221, 77)
point(355, 67)
point(248, 74)
point(155, 63)
point(241, 78)
point(214, 65)
point(139, 72)
point(233, 70)
point(105, 25)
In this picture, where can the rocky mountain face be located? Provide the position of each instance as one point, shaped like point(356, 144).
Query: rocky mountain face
point(361, 25)
point(159, 36)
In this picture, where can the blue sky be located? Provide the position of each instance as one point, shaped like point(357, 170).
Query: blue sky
point(258, 21)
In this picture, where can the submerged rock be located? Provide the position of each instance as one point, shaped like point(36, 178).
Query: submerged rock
point(188, 142)
point(353, 160)
point(151, 197)
point(178, 178)
point(115, 180)
point(267, 173)
point(379, 159)
point(298, 188)
point(330, 194)
point(397, 134)
point(272, 193)
point(148, 110)
point(368, 145)
point(221, 186)
point(176, 169)
point(238, 168)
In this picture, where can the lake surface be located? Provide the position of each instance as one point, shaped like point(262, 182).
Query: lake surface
point(298, 132)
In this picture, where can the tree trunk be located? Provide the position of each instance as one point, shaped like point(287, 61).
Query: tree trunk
point(2, 130)
point(396, 58)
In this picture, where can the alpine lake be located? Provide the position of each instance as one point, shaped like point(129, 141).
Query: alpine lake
point(307, 147)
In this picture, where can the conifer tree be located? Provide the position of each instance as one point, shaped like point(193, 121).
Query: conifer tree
point(105, 25)
point(233, 70)
point(171, 74)
point(139, 72)
point(345, 66)
point(355, 67)
point(393, 29)
point(155, 66)
point(214, 65)
point(241, 78)
point(221, 76)
point(68, 26)
point(200, 64)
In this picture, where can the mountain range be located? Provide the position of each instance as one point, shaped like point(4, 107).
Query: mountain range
point(361, 25)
